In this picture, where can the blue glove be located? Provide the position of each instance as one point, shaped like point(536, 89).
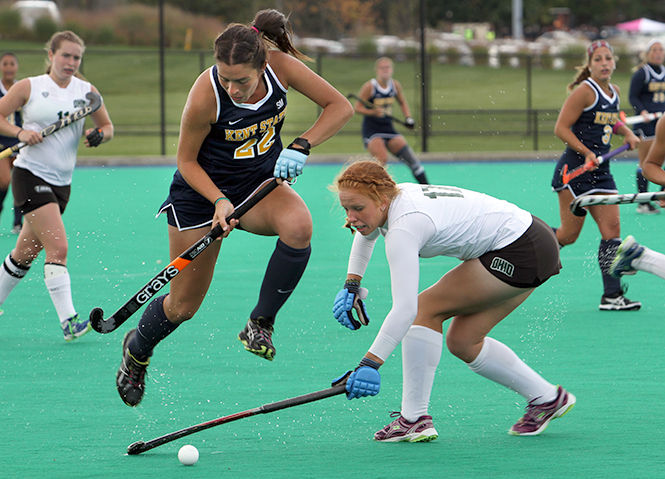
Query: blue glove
point(365, 380)
point(291, 160)
point(348, 298)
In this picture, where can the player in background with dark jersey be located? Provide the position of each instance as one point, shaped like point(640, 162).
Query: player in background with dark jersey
point(588, 118)
point(647, 95)
point(229, 147)
point(379, 135)
point(8, 72)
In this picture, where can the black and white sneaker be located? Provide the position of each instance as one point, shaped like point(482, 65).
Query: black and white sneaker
point(647, 209)
point(130, 380)
point(257, 337)
point(618, 303)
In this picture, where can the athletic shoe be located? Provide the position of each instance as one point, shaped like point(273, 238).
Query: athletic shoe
point(538, 416)
point(628, 250)
point(130, 380)
point(647, 209)
point(75, 328)
point(257, 338)
point(16, 229)
point(618, 303)
point(401, 430)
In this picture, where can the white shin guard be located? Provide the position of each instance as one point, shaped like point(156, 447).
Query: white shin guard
point(498, 363)
point(421, 352)
point(58, 283)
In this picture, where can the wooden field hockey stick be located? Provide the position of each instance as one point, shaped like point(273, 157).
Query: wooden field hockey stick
point(366, 104)
point(578, 204)
point(95, 101)
point(566, 175)
point(632, 120)
point(140, 446)
point(162, 278)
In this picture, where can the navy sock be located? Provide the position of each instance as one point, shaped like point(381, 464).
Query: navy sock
point(152, 328)
point(18, 217)
point(3, 193)
point(285, 268)
point(642, 182)
point(606, 252)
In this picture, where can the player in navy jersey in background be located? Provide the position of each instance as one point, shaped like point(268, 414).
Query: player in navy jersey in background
point(647, 95)
point(379, 135)
point(588, 118)
point(229, 147)
point(8, 72)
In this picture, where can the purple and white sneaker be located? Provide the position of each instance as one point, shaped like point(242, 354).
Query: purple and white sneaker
point(538, 416)
point(401, 430)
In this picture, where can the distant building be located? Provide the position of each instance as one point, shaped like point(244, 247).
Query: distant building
point(31, 10)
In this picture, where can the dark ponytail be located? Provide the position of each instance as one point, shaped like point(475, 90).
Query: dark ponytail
point(248, 44)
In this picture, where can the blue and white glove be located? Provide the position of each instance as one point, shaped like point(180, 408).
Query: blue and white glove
point(410, 123)
point(365, 380)
point(349, 298)
point(291, 160)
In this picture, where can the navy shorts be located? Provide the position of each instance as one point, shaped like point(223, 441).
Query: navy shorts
point(528, 261)
point(645, 129)
point(186, 209)
point(386, 132)
point(591, 182)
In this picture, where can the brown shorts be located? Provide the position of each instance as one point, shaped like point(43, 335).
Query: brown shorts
point(31, 192)
point(528, 261)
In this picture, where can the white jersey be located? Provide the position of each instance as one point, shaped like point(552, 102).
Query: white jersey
point(426, 221)
point(54, 159)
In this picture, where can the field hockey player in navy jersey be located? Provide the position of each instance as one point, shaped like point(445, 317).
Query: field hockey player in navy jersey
point(229, 148)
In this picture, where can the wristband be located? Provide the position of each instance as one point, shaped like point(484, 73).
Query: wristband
point(19, 132)
point(616, 126)
point(302, 143)
point(221, 198)
point(369, 362)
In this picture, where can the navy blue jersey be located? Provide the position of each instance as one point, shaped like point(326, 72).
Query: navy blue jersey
point(244, 141)
point(14, 119)
point(594, 126)
point(647, 92)
point(382, 98)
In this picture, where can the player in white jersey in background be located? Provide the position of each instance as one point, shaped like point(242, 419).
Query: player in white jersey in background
point(506, 253)
point(42, 174)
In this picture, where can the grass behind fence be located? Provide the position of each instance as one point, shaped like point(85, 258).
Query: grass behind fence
point(129, 81)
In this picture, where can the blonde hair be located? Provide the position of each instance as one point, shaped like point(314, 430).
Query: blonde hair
point(644, 54)
point(370, 179)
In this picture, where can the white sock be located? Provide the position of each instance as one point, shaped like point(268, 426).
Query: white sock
point(651, 262)
point(59, 287)
point(498, 363)
point(10, 274)
point(421, 352)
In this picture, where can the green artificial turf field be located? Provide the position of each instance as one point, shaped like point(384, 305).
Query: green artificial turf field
point(63, 418)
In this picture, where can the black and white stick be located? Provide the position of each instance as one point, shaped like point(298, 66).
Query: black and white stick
point(141, 446)
point(162, 278)
point(95, 101)
point(578, 204)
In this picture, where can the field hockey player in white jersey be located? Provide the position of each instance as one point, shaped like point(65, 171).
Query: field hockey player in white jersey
point(505, 252)
point(42, 174)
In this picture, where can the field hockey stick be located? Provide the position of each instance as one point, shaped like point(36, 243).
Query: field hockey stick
point(140, 446)
point(566, 175)
point(93, 106)
point(162, 278)
point(632, 120)
point(577, 205)
point(367, 104)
